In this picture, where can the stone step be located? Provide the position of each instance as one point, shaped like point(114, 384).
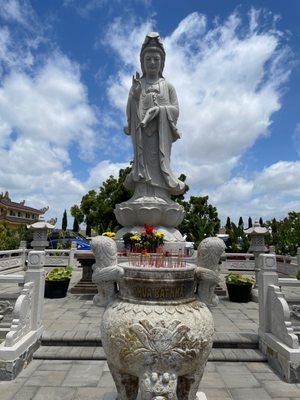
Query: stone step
point(92, 338)
point(97, 353)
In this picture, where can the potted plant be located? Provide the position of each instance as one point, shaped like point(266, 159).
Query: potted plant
point(298, 275)
point(57, 282)
point(239, 287)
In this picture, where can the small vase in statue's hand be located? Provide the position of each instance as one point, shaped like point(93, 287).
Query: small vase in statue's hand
point(149, 116)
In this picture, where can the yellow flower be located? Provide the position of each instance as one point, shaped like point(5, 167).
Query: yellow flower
point(136, 237)
point(159, 235)
point(109, 234)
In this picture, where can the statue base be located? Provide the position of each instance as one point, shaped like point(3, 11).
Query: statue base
point(153, 211)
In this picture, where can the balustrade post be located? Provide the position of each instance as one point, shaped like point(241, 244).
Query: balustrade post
point(72, 254)
point(36, 273)
point(266, 276)
point(23, 256)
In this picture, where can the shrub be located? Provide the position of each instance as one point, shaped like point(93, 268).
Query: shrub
point(239, 279)
point(60, 274)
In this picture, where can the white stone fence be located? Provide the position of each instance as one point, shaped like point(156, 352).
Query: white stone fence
point(21, 331)
point(286, 265)
point(15, 260)
point(279, 319)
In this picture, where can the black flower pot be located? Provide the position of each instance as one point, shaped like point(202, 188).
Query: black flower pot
point(239, 293)
point(56, 289)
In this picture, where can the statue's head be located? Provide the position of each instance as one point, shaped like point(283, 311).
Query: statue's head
point(105, 251)
point(152, 54)
point(209, 252)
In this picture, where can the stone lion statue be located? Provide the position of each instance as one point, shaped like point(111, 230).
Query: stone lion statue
point(105, 270)
point(208, 257)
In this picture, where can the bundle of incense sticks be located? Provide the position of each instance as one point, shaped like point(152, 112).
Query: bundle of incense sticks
point(157, 260)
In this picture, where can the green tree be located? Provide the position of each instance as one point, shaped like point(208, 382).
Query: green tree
point(201, 219)
point(64, 222)
point(75, 225)
point(228, 225)
point(96, 209)
point(241, 223)
point(250, 222)
point(285, 234)
point(261, 221)
point(10, 238)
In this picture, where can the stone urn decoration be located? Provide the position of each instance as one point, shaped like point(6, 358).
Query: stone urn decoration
point(156, 333)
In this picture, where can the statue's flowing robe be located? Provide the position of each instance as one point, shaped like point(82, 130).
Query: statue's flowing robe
point(151, 173)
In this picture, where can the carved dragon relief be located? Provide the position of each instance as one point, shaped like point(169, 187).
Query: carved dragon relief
point(280, 324)
point(22, 316)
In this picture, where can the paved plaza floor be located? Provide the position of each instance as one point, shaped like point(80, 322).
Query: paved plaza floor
point(58, 375)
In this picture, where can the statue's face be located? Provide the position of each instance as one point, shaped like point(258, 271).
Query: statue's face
point(152, 62)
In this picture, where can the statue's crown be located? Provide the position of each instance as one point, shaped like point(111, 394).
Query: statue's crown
point(152, 39)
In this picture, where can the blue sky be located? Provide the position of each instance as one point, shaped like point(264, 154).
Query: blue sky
point(65, 70)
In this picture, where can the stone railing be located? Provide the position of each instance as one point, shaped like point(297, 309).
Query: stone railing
point(279, 319)
point(238, 262)
point(15, 260)
point(286, 265)
point(21, 316)
point(60, 258)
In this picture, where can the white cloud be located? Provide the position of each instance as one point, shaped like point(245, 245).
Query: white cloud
point(274, 191)
point(102, 171)
point(282, 177)
point(18, 11)
point(52, 105)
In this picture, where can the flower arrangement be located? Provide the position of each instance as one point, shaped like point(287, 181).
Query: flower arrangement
point(149, 240)
point(109, 234)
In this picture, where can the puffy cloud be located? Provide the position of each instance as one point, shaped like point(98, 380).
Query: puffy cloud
point(274, 191)
point(52, 105)
point(282, 177)
point(102, 171)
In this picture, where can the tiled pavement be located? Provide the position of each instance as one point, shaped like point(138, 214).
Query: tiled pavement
point(91, 380)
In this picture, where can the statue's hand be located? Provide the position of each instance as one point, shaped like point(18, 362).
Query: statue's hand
point(136, 88)
point(150, 115)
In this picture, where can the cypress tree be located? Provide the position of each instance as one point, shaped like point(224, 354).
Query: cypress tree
point(75, 225)
point(64, 222)
point(228, 225)
point(241, 223)
point(250, 222)
point(261, 221)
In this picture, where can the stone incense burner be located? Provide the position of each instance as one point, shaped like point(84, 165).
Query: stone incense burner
point(156, 333)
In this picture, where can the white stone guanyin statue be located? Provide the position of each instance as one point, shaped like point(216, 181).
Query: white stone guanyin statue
point(152, 113)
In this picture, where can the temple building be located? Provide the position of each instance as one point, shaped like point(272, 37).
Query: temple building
point(16, 214)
